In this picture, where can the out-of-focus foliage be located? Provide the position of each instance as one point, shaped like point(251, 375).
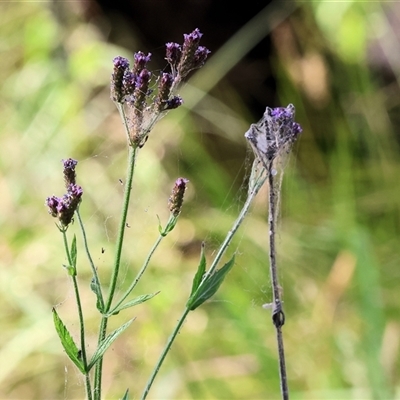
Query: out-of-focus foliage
point(337, 62)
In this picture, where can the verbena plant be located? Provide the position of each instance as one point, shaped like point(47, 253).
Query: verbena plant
point(140, 108)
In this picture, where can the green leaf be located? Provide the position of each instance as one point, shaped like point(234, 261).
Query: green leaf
point(74, 252)
point(131, 303)
point(169, 227)
point(71, 270)
point(209, 286)
point(201, 269)
point(106, 343)
point(126, 395)
point(160, 228)
point(97, 290)
point(67, 342)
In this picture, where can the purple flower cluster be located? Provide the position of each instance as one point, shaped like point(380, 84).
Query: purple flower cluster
point(131, 86)
point(188, 57)
point(63, 208)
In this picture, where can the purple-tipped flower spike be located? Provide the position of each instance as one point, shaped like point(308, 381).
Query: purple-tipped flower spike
point(69, 171)
point(175, 201)
point(140, 62)
point(274, 134)
point(129, 84)
point(200, 57)
point(164, 89)
point(189, 59)
point(139, 104)
point(121, 65)
point(173, 52)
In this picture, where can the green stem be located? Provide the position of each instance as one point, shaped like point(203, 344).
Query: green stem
point(139, 275)
point(117, 263)
point(256, 181)
point(164, 353)
point(254, 189)
point(81, 320)
point(93, 267)
point(122, 226)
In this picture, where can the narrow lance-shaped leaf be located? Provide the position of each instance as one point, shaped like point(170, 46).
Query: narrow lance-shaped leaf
point(74, 252)
point(71, 269)
point(209, 286)
point(97, 290)
point(68, 342)
point(106, 343)
point(200, 271)
point(126, 395)
point(131, 303)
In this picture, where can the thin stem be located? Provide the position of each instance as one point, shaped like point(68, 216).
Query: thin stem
point(122, 226)
point(164, 353)
point(93, 267)
point(254, 189)
point(255, 186)
point(81, 320)
point(117, 262)
point(140, 273)
point(278, 317)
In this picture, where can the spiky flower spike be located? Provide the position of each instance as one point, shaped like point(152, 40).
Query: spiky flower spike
point(69, 172)
point(63, 208)
point(274, 134)
point(130, 88)
point(121, 66)
point(175, 201)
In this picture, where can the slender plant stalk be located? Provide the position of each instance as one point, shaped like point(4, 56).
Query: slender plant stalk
point(81, 320)
point(133, 151)
point(140, 273)
point(278, 317)
point(256, 185)
point(164, 353)
point(93, 267)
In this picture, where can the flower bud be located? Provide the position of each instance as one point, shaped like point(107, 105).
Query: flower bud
point(175, 201)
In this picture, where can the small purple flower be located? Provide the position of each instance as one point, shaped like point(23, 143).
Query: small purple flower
point(192, 39)
point(175, 201)
point(140, 61)
point(173, 103)
point(121, 65)
point(52, 205)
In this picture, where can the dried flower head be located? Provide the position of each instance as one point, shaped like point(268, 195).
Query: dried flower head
point(274, 134)
point(175, 201)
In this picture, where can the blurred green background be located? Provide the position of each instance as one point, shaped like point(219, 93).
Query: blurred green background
point(338, 63)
